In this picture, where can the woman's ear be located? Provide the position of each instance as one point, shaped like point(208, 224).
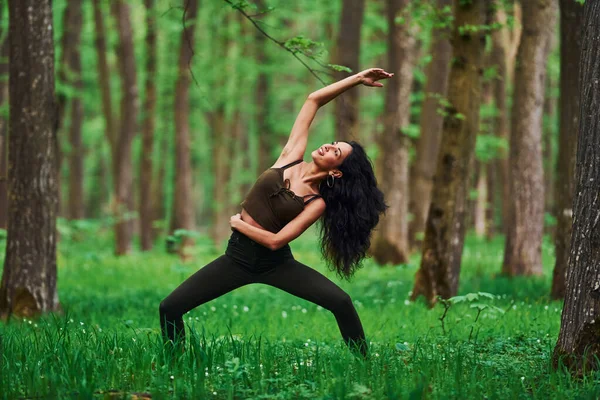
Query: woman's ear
point(337, 173)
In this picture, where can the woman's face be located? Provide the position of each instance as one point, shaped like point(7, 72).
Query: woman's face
point(331, 155)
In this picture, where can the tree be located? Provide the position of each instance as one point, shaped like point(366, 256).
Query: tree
point(127, 128)
point(522, 254)
point(71, 76)
point(431, 129)
point(578, 346)
point(390, 244)
point(445, 228)
point(348, 54)
point(146, 170)
point(29, 278)
point(3, 125)
point(571, 19)
point(262, 92)
point(183, 206)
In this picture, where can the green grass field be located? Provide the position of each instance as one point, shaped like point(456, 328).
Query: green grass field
point(261, 343)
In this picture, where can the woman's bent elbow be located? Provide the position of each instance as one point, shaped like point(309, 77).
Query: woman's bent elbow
point(275, 244)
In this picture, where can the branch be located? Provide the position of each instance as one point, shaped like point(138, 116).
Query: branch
point(279, 43)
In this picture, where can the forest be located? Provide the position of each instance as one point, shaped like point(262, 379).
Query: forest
point(131, 131)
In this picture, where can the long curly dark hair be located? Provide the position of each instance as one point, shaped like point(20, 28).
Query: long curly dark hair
point(353, 206)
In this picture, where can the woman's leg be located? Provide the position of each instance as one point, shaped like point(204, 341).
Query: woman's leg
point(215, 279)
point(306, 283)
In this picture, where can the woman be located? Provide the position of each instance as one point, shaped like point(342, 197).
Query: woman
point(338, 187)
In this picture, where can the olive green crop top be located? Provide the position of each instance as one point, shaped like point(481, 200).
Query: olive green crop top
point(271, 203)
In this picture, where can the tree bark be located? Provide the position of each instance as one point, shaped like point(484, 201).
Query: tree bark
point(431, 131)
point(499, 58)
point(71, 75)
point(348, 54)
point(390, 244)
point(571, 19)
point(146, 169)
point(479, 209)
point(522, 255)
point(29, 277)
point(578, 347)
point(4, 48)
point(265, 135)
point(183, 205)
point(127, 128)
point(445, 228)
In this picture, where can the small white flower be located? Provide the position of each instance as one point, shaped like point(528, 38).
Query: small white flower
point(83, 330)
point(539, 341)
point(406, 302)
point(246, 309)
point(215, 393)
point(546, 307)
point(284, 314)
point(213, 308)
point(304, 311)
point(522, 378)
point(514, 307)
point(376, 354)
point(305, 344)
point(172, 377)
point(206, 374)
point(235, 306)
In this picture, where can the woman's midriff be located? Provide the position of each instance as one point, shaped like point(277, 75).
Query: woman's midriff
point(249, 220)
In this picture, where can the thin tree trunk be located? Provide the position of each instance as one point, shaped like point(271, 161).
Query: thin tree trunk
point(499, 58)
point(390, 244)
point(523, 251)
point(431, 131)
point(548, 138)
point(571, 19)
point(578, 347)
point(183, 205)
point(265, 139)
point(146, 170)
point(348, 54)
point(127, 128)
point(445, 228)
point(28, 283)
point(479, 216)
point(3, 131)
point(71, 75)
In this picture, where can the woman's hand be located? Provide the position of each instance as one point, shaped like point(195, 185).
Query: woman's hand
point(369, 77)
point(235, 220)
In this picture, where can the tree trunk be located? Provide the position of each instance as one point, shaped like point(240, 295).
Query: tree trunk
point(265, 139)
point(445, 228)
point(146, 170)
point(3, 131)
point(127, 129)
point(348, 54)
point(71, 75)
point(431, 131)
point(390, 244)
point(523, 251)
point(479, 216)
point(578, 346)
point(548, 138)
point(29, 276)
point(499, 58)
point(571, 19)
point(183, 205)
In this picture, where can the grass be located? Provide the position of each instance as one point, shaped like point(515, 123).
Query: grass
point(261, 343)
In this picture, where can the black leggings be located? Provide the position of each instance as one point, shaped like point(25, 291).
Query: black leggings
point(245, 262)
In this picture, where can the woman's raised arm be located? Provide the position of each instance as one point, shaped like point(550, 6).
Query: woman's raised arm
point(296, 144)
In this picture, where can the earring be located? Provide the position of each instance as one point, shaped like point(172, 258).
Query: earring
point(332, 182)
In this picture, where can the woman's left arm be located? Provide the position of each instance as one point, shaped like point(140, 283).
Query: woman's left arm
point(291, 231)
